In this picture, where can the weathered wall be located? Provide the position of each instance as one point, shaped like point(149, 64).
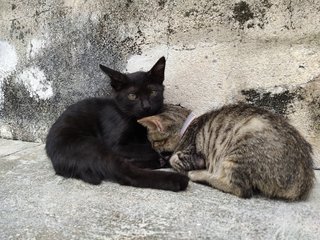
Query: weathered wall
point(265, 52)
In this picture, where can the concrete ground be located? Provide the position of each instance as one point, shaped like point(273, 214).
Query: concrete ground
point(37, 204)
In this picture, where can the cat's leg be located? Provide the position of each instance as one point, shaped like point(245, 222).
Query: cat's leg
point(127, 174)
point(136, 151)
point(150, 164)
point(141, 155)
point(200, 176)
point(184, 161)
point(229, 180)
point(203, 176)
point(150, 161)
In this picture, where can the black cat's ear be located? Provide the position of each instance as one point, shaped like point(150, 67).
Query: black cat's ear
point(118, 80)
point(157, 71)
point(152, 123)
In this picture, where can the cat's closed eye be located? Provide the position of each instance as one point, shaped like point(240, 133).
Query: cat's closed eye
point(157, 144)
point(132, 96)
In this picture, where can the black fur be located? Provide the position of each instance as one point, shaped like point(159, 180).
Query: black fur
point(99, 139)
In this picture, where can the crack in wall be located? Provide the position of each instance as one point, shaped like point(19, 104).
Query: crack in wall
point(290, 9)
point(169, 26)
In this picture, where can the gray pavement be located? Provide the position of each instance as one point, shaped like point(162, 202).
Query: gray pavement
point(37, 204)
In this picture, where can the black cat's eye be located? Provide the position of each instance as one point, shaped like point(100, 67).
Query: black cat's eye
point(153, 93)
point(132, 96)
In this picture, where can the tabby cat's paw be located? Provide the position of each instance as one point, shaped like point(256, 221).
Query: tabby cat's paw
point(176, 163)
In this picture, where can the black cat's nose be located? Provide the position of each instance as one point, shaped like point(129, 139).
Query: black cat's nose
point(146, 106)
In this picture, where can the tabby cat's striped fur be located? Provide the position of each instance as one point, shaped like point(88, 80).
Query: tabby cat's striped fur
point(238, 149)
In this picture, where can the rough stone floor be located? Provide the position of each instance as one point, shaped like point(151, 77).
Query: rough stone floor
point(37, 204)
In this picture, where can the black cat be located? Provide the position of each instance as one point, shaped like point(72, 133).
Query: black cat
point(99, 138)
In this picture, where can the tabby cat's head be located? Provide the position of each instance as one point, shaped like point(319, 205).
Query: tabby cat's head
point(164, 129)
point(138, 94)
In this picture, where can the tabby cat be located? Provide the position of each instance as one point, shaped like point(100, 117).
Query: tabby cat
point(239, 149)
point(99, 138)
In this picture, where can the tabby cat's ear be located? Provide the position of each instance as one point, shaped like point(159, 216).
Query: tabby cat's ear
point(118, 80)
point(153, 123)
point(157, 71)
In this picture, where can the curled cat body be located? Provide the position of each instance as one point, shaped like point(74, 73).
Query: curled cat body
point(238, 149)
point(99, 139)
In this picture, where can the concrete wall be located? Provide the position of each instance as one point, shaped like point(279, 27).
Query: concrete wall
point(265, 52)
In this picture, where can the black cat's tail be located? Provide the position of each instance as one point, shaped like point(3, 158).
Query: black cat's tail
point(95, 164)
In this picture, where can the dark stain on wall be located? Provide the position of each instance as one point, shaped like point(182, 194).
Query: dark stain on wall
point(312, 103)
point(129, 3)
point(242, 12)
point(70, 62)
point(162, 3)
point(16, 30)
point(28, 117)
point(279, 102)
point(251, 16)
point(305, 97)
point(314, 110)
point(191, 12)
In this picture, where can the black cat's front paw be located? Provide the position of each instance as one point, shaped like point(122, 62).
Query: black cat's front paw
point(177, 182)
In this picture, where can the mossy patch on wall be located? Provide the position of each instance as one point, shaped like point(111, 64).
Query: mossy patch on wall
point(303, 98)
point(250, 16)
point(278, 102)
point(242, 12)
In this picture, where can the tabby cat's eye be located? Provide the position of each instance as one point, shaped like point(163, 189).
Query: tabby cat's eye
point(132, 96)
point(153, 93)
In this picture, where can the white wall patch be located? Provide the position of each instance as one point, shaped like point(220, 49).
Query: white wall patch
point(36, 83)
point(8, 62)
point(147, 60)
point(8, 59)
point(35, 46)
point(5, 131)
